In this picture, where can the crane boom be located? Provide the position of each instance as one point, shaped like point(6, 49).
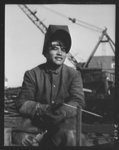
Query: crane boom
point(91, 55)
point(40, 25)
point(32, 16)
point(104, 33)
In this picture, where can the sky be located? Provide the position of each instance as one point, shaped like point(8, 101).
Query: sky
point(24, 41)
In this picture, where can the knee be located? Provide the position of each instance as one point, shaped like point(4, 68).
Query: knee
point(70, 138)
point(65, 137)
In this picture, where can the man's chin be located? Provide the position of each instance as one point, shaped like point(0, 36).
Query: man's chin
point(58, 63)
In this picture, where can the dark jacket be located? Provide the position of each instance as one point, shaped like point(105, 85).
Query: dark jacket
point(36, 87)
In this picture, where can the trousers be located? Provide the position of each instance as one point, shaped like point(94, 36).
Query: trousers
point(64, 135)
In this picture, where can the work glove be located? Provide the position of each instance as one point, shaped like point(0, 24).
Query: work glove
point(53, 118)
point(47, 115)
point(58, 112)
point(33, 140)
point(41, 109)
point(29, 140)
point(70, 110)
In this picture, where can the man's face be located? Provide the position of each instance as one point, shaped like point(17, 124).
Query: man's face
point(56, 53)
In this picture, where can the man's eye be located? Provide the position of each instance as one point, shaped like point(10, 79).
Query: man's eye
point(52, 48)
point(63, 49)
point(55, 48)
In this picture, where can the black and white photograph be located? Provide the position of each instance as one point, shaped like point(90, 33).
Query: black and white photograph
point(59, 80)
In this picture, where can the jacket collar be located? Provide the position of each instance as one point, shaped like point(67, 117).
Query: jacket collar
point(49, 69)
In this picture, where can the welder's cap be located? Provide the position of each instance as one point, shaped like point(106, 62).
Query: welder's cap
point(57, 33)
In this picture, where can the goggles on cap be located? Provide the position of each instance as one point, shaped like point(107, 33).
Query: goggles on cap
point(54, 45)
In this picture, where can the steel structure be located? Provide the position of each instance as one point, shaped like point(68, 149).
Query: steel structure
point(32, 16)
point(90, 27)
point(112, 44)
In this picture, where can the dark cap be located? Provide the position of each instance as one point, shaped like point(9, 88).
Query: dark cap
point(57, 32)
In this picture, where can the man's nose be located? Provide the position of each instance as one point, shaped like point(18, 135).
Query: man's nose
point(59, 51)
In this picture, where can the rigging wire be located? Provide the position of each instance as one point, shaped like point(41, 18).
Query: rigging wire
point(88, 27)
point(74, 20)
point(100, 29)
point(53, 11)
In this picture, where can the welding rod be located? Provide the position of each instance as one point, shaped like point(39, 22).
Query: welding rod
point(83, 110)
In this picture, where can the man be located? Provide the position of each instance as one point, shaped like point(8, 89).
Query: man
point(47, 89)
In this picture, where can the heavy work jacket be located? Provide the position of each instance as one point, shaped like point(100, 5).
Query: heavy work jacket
point(36, 88)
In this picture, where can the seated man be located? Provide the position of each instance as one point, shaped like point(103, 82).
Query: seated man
point(48, 87)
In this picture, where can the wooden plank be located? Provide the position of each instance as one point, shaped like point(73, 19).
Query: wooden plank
point(86, 128)
point(98, 128)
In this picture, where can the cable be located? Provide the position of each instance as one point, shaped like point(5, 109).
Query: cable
point(53, 11)
point(100, 29)
point(88, 27)
point(74, 20)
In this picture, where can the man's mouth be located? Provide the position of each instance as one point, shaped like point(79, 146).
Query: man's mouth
point(58, 58)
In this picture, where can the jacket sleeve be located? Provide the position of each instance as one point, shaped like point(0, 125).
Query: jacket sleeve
point(26, 100)
point(76, 90)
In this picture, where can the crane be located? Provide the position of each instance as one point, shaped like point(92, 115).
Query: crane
point(90, 27)
point(43, 28)
point(112, 44)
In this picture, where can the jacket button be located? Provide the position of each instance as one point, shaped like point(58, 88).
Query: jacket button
point(52, 102)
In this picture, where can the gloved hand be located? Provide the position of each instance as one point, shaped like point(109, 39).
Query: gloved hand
point(51, 118)
point(69, 111)
point(33, 140)
point(55, 106)
point(56, 113)
point(41, 109)
point(47, 117)
point(29, 140)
